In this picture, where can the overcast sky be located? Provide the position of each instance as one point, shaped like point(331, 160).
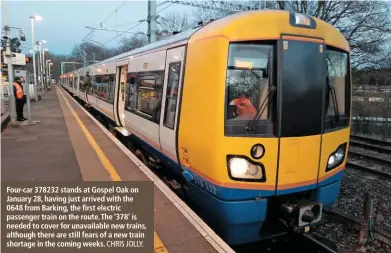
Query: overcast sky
point(63, 22)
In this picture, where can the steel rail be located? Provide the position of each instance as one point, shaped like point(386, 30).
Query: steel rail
point(366, 169)
point(375, 159)
point(321, 246)
point(371, 140)
point(379, 234)
point(370, 147)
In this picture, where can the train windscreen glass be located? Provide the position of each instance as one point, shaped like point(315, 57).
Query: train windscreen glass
point(338, 90)
point(248, 83)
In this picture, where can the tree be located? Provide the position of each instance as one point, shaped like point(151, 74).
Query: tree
point(132, 42)
point(366, 25)
point(175, 22)
point(15, 44)
point(90, 52)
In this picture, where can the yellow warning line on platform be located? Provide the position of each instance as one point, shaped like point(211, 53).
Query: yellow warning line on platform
point(158, 244)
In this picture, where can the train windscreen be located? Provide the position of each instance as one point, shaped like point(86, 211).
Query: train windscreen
point(338, 90)
point(249, 84)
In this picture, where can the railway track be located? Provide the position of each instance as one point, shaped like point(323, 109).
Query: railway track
point(371, 144)
point(367, 169)
point(317, 245)
point(370, 140)
point(379, 234)
point(379, 160)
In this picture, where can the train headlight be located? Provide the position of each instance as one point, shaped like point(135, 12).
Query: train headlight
point(336, 158)
point(240, 168)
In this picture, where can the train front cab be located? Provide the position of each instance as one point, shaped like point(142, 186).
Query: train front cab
point(245, 166)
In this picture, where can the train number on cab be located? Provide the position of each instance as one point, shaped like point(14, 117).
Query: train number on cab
point(205, 185)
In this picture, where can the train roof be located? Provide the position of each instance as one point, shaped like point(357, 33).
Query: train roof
point(182, 36)
point(253, 25)
point(268, 25)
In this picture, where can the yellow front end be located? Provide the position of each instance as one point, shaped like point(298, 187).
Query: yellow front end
point(240, 146)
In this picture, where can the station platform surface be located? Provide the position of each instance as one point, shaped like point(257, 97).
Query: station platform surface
point(70, 145)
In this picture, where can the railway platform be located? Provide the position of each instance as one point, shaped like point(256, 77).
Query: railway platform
point(70, 145)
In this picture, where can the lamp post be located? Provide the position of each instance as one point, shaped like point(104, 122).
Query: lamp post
point(43, 69)
point(50, 74)
point(41, 61)
point(41, 65)
point(47, 74)
point(32, 18)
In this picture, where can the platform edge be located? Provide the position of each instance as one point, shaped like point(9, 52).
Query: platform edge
point(218, 244)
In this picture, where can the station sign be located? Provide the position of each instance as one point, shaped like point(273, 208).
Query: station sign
point(17, 59)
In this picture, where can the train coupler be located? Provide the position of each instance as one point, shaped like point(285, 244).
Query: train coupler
point(302, 215)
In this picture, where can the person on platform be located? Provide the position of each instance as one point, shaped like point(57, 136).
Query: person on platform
point(20, 98)
point(87, 82)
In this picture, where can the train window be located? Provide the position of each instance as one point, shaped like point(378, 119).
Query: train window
point(172, 94)
point(338, 89)
point(96, 83)
point(90, 89)
point(150, 95)
point(81, 83)
point(144, 94)
point(132, 91)
point(103, 88)
point(111, 87)
point(248, 85)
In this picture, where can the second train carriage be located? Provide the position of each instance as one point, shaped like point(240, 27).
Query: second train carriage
point(252, 111)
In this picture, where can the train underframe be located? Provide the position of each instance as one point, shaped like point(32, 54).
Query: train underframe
point(237, 221)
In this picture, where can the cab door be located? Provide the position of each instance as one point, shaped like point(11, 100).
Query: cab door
point(301, 95)
point(170, 101)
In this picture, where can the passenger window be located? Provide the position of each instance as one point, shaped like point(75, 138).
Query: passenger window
point(145, 94)
point(104, 90)
point(81, 83)
point(97, 83)
point(149, 96)
point(110, 88)
point(132, 91)
point(172, 94)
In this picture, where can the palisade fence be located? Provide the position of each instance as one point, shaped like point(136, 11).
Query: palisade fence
point(369, 127)
point(372, 111)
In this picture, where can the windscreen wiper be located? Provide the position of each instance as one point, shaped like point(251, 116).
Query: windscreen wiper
point(261, 109)
point(334, 97)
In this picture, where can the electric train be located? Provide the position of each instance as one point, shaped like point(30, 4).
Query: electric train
point(251, 111)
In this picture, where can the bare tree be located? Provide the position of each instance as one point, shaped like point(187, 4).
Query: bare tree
point(90, 52)
point(175, 22)
point(132, 42)
point(365, 24)
point(225, 8)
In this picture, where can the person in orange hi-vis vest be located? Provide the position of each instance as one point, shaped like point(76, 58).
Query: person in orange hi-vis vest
point(20, 99)
point(245, 110)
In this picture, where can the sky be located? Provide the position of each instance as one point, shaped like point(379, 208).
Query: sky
point(63, 22)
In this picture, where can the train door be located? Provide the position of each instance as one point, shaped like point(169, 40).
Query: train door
point(119, 98)
point(170, 101)
point(301, 95)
